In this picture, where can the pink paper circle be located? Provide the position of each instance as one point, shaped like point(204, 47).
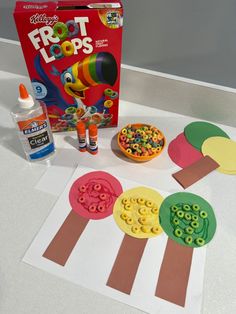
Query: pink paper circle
point(110, 186)
point(182, 153)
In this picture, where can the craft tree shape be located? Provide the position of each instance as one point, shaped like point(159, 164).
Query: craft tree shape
point(189, 221)
point(202, 148)
point(141, 213)
point(91, 196)
point(136, 213)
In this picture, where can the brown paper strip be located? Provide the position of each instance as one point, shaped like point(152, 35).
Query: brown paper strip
point(66, 238)
point(126, 264)
point(174, 273)
point(195, 172)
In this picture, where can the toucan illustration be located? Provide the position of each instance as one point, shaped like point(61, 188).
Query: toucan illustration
point(96, 69)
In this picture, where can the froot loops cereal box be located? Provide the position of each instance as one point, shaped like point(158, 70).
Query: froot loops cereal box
point(72, 49)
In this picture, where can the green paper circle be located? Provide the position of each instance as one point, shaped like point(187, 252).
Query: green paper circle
point(197, 132)
point(207, 226)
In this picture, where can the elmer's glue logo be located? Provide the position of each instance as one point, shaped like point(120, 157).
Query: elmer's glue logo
point(35, 127)
point(29, 126)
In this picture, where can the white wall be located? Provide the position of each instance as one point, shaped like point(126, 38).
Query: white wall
point(7, 25)
point(191, 38)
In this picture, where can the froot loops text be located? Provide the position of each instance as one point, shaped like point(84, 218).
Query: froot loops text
point(74, 31)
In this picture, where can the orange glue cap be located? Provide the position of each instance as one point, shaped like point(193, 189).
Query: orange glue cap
point(25, 100)
point(80, 127)
point(23, 91)
point(93, 130)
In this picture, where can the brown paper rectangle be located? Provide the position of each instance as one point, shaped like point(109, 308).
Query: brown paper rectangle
point(193, 173)
point(66, 238)
point(126, 264)
point(174, 273)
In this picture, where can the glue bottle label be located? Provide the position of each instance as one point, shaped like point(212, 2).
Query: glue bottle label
point(35, 137)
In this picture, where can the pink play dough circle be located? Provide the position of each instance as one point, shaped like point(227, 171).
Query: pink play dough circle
point(94, 194)
point(182, 153)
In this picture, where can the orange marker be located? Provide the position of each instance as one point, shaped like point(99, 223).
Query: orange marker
point(81, 132)
point(93, 139)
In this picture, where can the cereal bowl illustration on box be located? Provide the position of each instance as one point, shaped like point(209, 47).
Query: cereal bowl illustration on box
point(73, 57)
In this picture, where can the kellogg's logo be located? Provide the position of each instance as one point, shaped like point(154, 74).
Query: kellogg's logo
point(43, 19)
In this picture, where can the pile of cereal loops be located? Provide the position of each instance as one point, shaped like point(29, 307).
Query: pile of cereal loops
point(190, 223)
point(140, 216)
point(143, 141)
point(94, 197)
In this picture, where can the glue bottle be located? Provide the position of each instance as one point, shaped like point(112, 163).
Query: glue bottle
point(33, 127)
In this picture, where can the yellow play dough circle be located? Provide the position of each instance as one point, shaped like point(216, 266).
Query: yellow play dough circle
point(223, 151)
point(136, 212)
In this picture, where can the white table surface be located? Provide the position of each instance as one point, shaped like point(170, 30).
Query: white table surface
point(23, 209)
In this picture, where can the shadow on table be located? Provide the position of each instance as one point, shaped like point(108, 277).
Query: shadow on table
point(72, 141)
point(10, 141)
point(116, 150)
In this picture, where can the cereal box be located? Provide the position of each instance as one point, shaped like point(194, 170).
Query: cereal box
point(73, 52)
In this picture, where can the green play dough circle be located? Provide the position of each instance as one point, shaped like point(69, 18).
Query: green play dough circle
point(201, 230)
point(197, 132)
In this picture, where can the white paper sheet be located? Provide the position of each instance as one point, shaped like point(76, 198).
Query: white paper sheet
point(58, 173)
point(91, 261)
